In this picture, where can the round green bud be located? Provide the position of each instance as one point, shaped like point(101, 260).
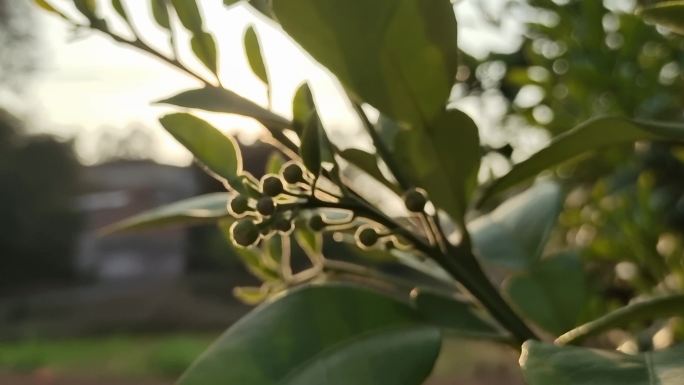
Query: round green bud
point(244, 233)
point(293, 173)
point(367, 236)
point(239, 205)
point(283, 225)
point(266, 206)
point(415, 200)
point(317, 223)
point(272, 186)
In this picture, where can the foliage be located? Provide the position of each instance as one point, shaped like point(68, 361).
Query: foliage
point(330, 320)
point(40, 223)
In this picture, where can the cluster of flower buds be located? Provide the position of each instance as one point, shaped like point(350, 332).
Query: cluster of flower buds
point(271, 208)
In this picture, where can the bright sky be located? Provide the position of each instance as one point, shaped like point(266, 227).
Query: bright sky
point(90, 82)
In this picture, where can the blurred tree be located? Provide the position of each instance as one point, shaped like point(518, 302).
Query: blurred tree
point(583, 58)
point(39, 224)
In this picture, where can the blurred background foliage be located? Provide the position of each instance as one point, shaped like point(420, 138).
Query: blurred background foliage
point(580, 59)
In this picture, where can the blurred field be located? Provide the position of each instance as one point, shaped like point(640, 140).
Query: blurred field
point(129, 357)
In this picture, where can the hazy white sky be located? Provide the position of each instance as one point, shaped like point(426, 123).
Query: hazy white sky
point(89, 83)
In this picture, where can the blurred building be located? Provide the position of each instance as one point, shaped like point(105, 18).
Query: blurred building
point(119, 189)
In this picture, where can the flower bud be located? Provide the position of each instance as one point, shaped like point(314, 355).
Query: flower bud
point(317, 223)
point(265, 206)
point(239, 205)
point(367, 236)
point(293, 173)
point(415, 200)
point(244, 233)
point(272, 186)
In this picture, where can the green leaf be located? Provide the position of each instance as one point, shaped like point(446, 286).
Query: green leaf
point(589, 136)
point(544, 364)
point(274, 164)
point(310, 242)
point(398, 55)
point(255, 54)
point(443, 159)
point(552, 293)
point(189, 15)
point(302, 107)
point(160, 12)
point(222, 100)
point(368, 163)
point(87, 7)
point(650, 309)
point(310, 148)
point(515, 234)
point(669, 14)
point(204, 47)
point(453, 314)
point(48, 7)
point(119, 8)
point(200, 209)
point(322, 335)
point(218, 152)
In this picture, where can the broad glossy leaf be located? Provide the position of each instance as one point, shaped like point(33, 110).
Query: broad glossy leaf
point(544, 364)
point(160, 12)
point(552, 293)
point(456, 315)
point(643, 310)
point(443, 159)
point(189, 15)
point(255, 55)
point(322, 335)
point(669, 14)
point(398, 55)
point(217, 151)
point(589, 136)
point(515, 233)
point(222, 100)
point(204, 47)
point(200, 209)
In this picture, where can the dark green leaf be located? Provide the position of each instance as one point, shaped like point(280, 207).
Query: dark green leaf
point(322, 335)
point(310, 149)
point(398, 55)
point(87, 7)
point(212, 148)
point(119, 8)
point(200, 209)
point(552, 293)
point(514, 235)
point(443, 159)
point(255, 55)
point(204, 47)
point(644, 310)
point(160, 12)
point(456, 315)
point(669, 14)
point(544, 364)
point(302, 107)
point(222, 100)
point(589, 136)
point(189, 15)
